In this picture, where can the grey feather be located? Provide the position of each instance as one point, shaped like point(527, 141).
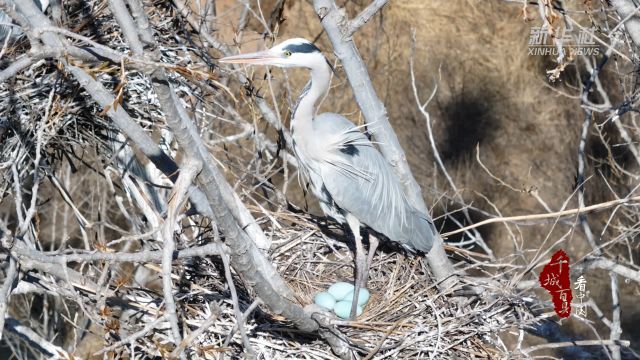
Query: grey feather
point(369, 189)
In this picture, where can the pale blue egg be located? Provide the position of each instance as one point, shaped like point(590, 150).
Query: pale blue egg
point(340, 290)
point(363, 296)
point(343, 309)
point(325, 300)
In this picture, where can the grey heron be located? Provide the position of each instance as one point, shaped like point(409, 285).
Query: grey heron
point(351, 179)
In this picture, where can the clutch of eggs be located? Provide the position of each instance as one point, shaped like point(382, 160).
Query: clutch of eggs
point(339, 297)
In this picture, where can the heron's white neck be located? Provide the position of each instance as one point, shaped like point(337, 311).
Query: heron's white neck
point(318, 85)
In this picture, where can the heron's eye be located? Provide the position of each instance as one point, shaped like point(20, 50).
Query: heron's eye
point(287, 53)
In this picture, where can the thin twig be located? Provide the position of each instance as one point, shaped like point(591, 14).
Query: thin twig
point(36, 341)
point(131, 338)
point(616, 329)
point(570, 212)
point(188, 172)
point(210, 321)
point(5, 291)
point(364, 16)
point(557, 345)
point(236, 308)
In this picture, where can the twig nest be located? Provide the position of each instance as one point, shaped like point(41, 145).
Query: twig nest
point(343, 309)
point(325, 300)
point(340, 290)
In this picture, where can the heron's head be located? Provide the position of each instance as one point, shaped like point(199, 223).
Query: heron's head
point(290, 53)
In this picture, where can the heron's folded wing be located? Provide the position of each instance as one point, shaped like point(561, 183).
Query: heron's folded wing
point(362, 183)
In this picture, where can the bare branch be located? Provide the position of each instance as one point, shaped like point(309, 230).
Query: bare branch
point(236, 308)
point(628, 11)
point(143, 26)
point(552, 215)
point(17, 66)
point(36, 341)
point(120, 12)
point(188, 172)
point(5, 291)
point(575, 343)
point(608, 265)
point(133, 337)
point(364, 16)
point(199, 331)
point(145, 256)
point(616, 330)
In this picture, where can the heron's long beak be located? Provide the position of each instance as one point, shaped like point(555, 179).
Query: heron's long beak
point(260, 57)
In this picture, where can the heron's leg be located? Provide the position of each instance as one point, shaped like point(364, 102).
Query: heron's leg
point(373, 245)
point(354, 224)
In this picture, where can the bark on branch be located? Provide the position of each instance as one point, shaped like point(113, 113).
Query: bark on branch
point(357, 22)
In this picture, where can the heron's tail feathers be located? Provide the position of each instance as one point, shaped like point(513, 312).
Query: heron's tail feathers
point(421, 230)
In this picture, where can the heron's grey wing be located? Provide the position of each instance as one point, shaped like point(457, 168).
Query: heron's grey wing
point(361, 182)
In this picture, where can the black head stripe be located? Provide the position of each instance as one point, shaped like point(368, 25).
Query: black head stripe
point(302, 48)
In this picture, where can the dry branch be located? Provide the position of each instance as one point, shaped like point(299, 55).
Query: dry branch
point(188, 171)
point(36, 341)
point(552, 215)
